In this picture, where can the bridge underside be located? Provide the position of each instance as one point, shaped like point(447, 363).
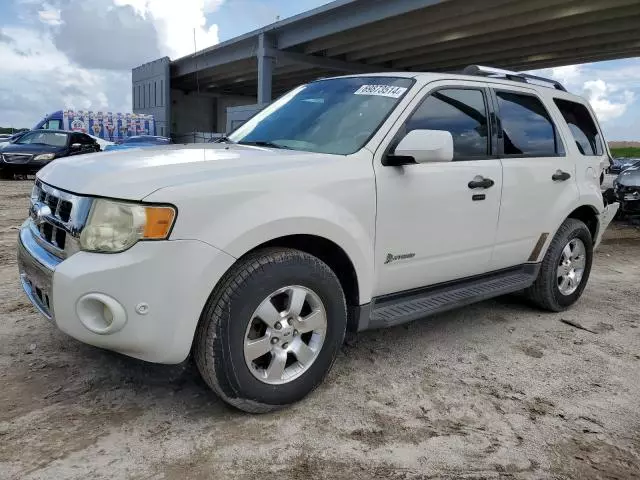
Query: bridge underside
point(419, 35)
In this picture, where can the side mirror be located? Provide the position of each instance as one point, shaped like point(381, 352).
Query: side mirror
point(76, 146)
point(426, 146)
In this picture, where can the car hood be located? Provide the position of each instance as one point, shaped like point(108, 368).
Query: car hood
point(630, 177)
point(31, 148)
point(133, 174)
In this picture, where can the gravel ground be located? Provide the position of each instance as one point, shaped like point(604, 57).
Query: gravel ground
point(496, 390)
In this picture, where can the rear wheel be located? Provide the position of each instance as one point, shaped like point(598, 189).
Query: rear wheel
point(271, 330)
point(6, 175)
point(565, 268)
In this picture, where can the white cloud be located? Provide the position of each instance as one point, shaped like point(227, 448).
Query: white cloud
point(79, 54)
point(176, 21)
point(46, 80)
point(49, 15)
point(606, 109)
point(567, 75)
point(609, 92)
point(95, 34)
point(212, 5)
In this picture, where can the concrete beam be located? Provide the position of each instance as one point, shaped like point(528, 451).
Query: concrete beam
point(348, 16)
point(474, 36)
point(575, 38)
point(522, 14)
point(595, 45)
point(324, 62)
point(215, 57)
point(434, 19)
point(266, 60)
point(563, 55)
point(572, 59)
point(437, 12)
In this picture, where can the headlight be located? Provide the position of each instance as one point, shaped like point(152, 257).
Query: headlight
point(116, 226)
point(45, 156)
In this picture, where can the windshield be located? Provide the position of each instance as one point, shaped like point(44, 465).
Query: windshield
point(54, 139)
point(336, 116)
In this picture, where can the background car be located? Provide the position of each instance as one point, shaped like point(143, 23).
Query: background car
point(102, 142)
point(627, 190)
point(7, 138)
point(140, 141)
point(621, 164)
point(36, 148)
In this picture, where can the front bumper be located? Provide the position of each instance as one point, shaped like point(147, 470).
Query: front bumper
point(628, 197)
point(630, 206)
point(156, 292)
point(30, 166)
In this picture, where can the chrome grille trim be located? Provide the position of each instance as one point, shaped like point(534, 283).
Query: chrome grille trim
point(17, 158)
point(57, 218)
point(36, 267)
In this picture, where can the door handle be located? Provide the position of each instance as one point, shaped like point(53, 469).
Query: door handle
point(560, 176)
point(481, 182)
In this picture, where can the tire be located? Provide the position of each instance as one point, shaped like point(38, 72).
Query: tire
point(6, 175)
point(546, 292)
point(230, 314)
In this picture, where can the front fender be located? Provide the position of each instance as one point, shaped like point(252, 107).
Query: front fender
point(335, 204)
point(276, 216)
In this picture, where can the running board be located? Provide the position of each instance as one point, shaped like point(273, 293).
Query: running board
point(405, 307)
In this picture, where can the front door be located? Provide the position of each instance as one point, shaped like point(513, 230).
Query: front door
point(433, 225)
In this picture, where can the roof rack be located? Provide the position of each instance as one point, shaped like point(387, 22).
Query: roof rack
point(483, 71)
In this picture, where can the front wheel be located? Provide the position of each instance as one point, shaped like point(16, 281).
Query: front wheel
point(271, 330)
point(565, 268)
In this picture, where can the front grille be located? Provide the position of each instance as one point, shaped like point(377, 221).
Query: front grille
point(16, 157)
point(57, 218)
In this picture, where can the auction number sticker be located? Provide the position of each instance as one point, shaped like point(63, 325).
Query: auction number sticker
point(381, 91)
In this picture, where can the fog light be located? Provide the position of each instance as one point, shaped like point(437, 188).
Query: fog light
point(101, 314)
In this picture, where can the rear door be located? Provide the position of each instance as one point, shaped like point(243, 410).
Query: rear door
point(585, 142)
point(539, 178)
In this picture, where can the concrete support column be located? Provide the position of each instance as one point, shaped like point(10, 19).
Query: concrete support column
point(266, 62)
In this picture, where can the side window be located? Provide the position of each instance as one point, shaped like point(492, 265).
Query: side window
point(75, 138)
point(86, 140)
point(582, 127)
point(53, 125)
point(526, 125)
point(463, 112)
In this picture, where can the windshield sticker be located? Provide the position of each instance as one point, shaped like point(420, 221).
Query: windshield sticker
point(381, 91)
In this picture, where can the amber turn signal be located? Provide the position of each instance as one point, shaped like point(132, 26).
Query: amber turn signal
point(159, 222)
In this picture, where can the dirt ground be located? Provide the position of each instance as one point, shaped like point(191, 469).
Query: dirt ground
point(497, 390)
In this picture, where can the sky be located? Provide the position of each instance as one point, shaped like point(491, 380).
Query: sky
point(56, 54)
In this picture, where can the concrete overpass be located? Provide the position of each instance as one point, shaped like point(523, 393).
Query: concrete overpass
point(356, 36)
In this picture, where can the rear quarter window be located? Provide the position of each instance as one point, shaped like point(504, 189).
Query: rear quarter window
point(582, 127)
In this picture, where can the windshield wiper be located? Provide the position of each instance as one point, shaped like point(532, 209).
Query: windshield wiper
point(265, 144)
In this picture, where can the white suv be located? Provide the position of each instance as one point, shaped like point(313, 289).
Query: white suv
point(349, 203)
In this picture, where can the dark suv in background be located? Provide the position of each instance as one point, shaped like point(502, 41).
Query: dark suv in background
point(35, 149)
